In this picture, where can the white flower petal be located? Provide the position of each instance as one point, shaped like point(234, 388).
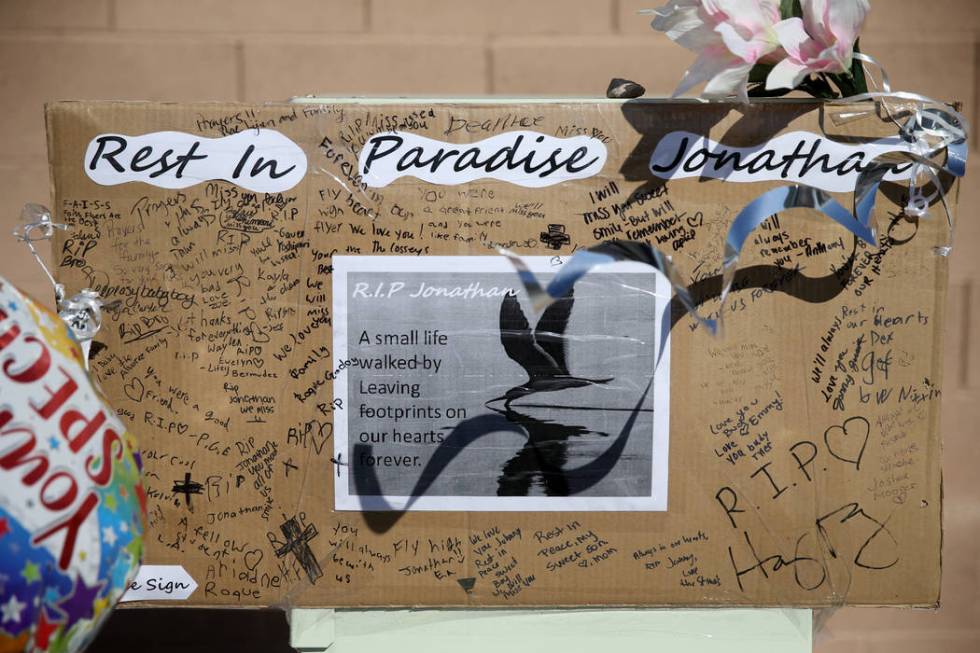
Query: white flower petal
point(786, 74)
point(737, 45)
point(792, 36)
point(683, 25)
point(708, 64)
point(816, 18)
point(755, 15)
point(845, 18)
point(835, 59)
point(729, 82)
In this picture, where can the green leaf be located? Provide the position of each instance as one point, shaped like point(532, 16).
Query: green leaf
point(858, 79)
point(844, 82)
point(818, 87)
point(790, 9)
point(760, 90)
point(759, 73)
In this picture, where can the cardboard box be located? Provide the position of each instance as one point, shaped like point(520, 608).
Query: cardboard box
point(309, 316)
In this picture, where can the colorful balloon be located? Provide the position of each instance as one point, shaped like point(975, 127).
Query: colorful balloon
point(72, 507)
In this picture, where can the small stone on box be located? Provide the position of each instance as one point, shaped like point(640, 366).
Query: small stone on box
point(624, 89)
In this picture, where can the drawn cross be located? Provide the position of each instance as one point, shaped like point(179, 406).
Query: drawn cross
point(297, 542)
point(555, 237)
point(338, 462)
point(187, 487)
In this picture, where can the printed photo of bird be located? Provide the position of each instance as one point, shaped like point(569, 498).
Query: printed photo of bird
point(542, 352)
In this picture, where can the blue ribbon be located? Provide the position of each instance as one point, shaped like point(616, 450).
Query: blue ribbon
point(943, 124)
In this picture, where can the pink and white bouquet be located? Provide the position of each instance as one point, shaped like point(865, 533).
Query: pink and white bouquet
point(764, 48)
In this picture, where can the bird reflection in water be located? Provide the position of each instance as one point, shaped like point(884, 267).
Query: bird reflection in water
point(541, 353)
point(541, 461)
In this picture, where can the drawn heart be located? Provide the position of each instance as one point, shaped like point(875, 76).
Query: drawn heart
point(695, 220)
point(325, 431)
point(325, 426)
point(847, 441)
point(253, 558)
point(134, 390)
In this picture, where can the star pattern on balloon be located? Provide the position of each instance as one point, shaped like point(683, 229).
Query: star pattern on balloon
point(31, 572)
point(51, 595)
point(101, 605)
point(81, 603)
point(45, 628)
point(11, 610)
point(4, 526)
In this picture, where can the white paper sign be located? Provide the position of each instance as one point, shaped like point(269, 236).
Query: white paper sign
point(799, 156)
point(471, 401)
point(160, 583)
point(261, 160)
point(525, 158)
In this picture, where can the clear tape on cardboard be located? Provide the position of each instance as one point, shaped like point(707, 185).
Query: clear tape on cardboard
point(935, 130)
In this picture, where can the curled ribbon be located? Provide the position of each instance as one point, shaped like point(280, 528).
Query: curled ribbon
point(37, 225)
point(932, 129)
point(82, 312)
point(610, 251)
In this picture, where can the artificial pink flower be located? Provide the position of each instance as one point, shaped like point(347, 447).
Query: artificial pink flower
point(730, 36)
point(822, 42)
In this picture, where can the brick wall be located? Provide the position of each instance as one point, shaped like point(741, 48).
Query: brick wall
point(260, 50)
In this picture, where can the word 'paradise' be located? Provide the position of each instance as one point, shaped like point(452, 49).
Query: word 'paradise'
point(525, 158)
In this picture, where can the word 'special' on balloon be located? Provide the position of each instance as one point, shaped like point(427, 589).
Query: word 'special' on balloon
point(72, 507)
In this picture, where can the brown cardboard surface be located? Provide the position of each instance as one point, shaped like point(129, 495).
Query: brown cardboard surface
point(225, 297)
